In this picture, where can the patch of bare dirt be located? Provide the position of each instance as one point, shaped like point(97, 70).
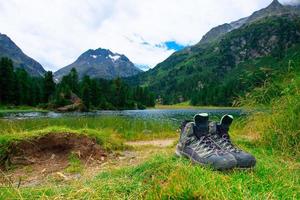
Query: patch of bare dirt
point(54, 147)
point(34, 159)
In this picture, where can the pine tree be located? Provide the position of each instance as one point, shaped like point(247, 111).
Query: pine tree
point(86, 96)
point(74, 83)
point(23, 82)
point(6, 81)
point(48, 86)
point(86, 92)
point(95, 93)
point(17, 90)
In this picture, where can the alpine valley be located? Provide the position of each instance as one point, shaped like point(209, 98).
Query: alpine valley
point(230, 60)
point(78, 134)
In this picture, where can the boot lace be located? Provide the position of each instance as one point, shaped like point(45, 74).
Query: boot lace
point(225, 140)
point(205, 144)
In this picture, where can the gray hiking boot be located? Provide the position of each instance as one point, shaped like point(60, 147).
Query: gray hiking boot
point(219, 134)
point(195, 145)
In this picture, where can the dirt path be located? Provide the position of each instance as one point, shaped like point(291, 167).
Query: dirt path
point(156, 143)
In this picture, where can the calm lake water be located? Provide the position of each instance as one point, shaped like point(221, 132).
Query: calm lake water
point(158, 114)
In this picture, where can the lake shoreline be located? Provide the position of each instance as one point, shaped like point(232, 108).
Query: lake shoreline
point(160, 107)
point(155, 114)
point(178, 107)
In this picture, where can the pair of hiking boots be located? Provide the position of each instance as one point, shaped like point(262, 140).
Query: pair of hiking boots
point(208, 143)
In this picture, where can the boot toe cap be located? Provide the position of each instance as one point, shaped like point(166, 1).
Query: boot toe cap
point(245, 160)
point(224, 162)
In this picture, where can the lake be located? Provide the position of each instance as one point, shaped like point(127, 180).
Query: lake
point(156, 114)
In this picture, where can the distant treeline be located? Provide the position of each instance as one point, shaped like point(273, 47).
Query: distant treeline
point(18, 88)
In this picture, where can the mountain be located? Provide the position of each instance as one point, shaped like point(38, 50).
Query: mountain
point(143, 67)
point(234, 59)
point(9, 49)
point(100, 63)
point(274, 9)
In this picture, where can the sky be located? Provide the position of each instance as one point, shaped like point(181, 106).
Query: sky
point(57, 32)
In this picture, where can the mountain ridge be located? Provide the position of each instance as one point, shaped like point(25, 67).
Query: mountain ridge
point(275, 8)
point(20, 60)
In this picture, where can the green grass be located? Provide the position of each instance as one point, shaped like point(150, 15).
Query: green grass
point(167, 177)
point(127, 128)
point(162, 176)
point(279, 128)
point(75, 164)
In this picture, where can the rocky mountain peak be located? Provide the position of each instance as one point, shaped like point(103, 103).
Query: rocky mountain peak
point(274, 9)
point(100, 63)
point(275, 4)
point(100, 54)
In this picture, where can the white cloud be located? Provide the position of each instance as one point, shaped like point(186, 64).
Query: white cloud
point(56, 32)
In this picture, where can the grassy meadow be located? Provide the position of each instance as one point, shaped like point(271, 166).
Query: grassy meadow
point(161, 175)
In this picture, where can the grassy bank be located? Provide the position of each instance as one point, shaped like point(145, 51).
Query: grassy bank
point(110, 132)
point(11, 109)
point(127, 128)
point(164, 176)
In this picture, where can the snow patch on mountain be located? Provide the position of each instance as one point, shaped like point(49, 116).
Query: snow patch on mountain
point(114, 57)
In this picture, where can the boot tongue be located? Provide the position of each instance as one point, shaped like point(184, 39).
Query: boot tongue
point(201, 124)
point(225, 122)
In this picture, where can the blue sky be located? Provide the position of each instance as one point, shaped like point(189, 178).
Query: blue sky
point(173, 45)
point(56, 32)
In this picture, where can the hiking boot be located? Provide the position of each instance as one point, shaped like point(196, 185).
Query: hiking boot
point(195, 145)
point(219, 134)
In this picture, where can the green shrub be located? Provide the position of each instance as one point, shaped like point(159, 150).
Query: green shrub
point(279, 127)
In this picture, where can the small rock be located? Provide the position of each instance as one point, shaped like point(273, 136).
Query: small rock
point(61, 176)
point(76, 176)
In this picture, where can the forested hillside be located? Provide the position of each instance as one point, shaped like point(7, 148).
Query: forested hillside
point(17, 87)
point(218, 72)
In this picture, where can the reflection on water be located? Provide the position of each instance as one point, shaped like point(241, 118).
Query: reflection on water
point(158, 114)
